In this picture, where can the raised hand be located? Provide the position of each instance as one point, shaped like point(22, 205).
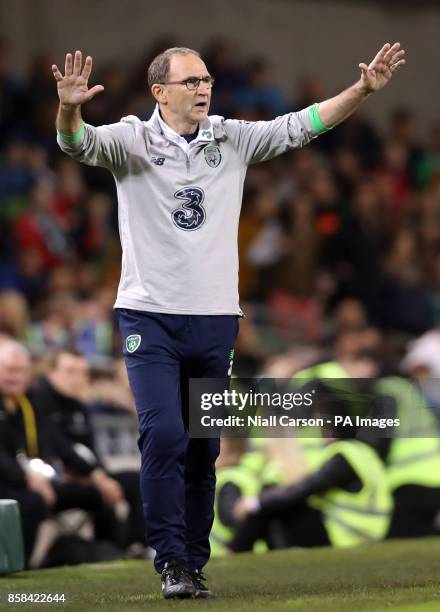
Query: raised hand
point(384, 65)
point(73, 86)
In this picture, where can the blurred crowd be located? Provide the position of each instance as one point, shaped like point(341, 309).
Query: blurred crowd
point(339, 242)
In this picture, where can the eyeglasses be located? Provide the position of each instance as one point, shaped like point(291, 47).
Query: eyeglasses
point(192, 83)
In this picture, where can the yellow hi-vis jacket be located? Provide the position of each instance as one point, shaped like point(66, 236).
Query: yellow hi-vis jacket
point(267, 472)
point(249, 485)
point(352, 518)
point(251, 475)
point(414, 455)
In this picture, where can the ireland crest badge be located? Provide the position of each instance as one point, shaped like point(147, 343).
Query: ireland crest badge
point(213, 157)
point(132, 342)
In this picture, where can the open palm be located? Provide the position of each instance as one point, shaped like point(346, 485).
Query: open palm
point(73, 87)
point(377, 74)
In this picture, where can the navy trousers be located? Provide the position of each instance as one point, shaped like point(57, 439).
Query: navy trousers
point(162, 352)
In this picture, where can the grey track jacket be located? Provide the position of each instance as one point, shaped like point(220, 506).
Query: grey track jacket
point(179, 204)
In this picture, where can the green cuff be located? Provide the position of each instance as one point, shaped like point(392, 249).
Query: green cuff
point(73, 137)
point(315, 120)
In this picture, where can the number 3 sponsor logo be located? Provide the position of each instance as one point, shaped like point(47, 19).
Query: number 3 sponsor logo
point(190, 215)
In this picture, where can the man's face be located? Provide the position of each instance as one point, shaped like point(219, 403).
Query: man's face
point(15, 373)
point(70, 376)
point(190, 106)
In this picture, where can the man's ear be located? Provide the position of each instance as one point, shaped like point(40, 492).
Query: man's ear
point(159, 93)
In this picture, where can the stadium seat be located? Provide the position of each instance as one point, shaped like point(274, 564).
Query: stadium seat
point(11, 537)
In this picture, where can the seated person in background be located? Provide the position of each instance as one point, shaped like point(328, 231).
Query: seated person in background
point(63, 393)
point(346, 501)
point(27, 433)
point(410, 451)
point(412, 460)
point(241, 472)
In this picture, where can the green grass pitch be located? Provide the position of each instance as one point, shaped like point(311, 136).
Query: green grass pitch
point(400, 575)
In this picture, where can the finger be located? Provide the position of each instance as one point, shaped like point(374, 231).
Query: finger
point(398, 65)
point(77, 63)
point(68, 65)
point(397, 56)
point(87, 68)
point(56, 73)
point(380, 54)
point(391, 51)
point(364, 69)
point(94, 91)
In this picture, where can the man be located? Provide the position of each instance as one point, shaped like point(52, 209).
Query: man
point(344, 503)
point(62, 393)
point(412, 459)
point(180, 180)
point(240, 473)
point(32, 491)
point(410, 452)
point(26, 433)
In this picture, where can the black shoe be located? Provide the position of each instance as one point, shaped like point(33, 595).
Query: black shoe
point(202, 591)
point(177, 580)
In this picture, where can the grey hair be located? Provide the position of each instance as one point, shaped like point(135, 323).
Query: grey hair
point(11, 347)
point(159, 68)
